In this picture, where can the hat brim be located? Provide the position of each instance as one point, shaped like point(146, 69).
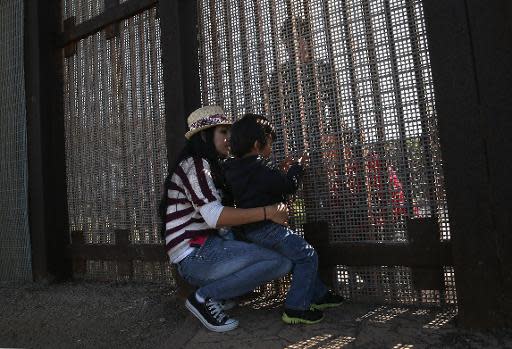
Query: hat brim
point(190, 133)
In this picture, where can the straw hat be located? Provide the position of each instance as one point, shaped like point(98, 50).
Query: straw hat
point(206, 117)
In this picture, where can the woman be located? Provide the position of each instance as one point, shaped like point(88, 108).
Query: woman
point(223, 268)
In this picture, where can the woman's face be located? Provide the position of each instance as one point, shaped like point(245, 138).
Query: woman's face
point(221, 140)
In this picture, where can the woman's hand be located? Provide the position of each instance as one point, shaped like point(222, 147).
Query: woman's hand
point(278, 213)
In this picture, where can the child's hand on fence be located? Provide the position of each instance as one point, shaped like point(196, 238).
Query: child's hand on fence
point(286, 163)
point(304, 160)
point(278, 213)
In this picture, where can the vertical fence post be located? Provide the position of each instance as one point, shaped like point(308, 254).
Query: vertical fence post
point(48, 215)
point(178, 23)
point(471, 73)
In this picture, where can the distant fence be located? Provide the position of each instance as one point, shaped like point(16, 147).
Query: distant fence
point(15, 254)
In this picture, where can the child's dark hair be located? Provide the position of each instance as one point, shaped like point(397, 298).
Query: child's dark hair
point(200, 145)
point(249, 129)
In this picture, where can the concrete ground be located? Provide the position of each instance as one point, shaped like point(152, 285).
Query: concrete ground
point(105, 315)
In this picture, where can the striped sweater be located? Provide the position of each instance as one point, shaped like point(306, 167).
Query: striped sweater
point(190, 189)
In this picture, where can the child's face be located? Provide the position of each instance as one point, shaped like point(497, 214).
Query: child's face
point(221, 140)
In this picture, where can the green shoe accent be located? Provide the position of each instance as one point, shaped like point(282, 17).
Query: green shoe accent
point(298, 320)
point(325, 305)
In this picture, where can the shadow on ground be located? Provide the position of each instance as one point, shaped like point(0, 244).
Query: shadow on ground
point(99, 315)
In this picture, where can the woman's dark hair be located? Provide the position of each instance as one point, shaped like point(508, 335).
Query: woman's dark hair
point(200, 145)
point(249, 129)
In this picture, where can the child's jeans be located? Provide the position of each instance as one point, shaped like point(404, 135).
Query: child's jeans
point(306, 286)
point(225, 269)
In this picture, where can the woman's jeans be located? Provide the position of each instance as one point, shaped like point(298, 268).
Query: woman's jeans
point(306, 286)
point(226, 269)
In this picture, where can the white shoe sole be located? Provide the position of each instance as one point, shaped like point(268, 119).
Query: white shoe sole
point(223, 328)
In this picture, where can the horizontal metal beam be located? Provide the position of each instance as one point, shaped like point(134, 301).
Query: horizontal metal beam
point(123, 250)
point(350, 254)
point(153, 253)
point(111, 15)
point(376, 253)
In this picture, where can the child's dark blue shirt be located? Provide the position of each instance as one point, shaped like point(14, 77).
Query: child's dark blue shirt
point(255, 183)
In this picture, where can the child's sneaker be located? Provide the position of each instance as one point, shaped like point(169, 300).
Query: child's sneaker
point(329, 300)
point(211, 314)
point(312, 316)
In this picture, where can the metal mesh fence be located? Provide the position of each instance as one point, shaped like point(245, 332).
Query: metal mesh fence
point(15, 260)
point(392, 284)
point(115, 136)
point(82, 10)
point(350, 83)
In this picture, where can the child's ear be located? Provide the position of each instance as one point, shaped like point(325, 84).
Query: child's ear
point(256, 146)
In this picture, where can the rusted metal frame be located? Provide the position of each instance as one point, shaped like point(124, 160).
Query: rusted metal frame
point(94, 54)
point(426, 137)
point(147, 118)
point(337, 123)
point(315, 127)
point(231, 65)
point(189, 47)
point(146, 252)
point(131, 136)
point(330, 54)
point(217, 74)
point(298, 76)
point(110, 16)
point(379, 118)
point(360, 164)
point(406, 177)
point(388, 253)
point(474, 133)
point(278, 72)
point(202, 53)
point(155, 94)
point(307, 15)
point(112, 30)
point(100, 62)
point(245, 55)
point(264, 91)
point(420, 88)
point(117, 87)
point(123, 252)
point(123, 103)
point(152, 53)
point(46, 176)
point(69, 48)
point(318, 98)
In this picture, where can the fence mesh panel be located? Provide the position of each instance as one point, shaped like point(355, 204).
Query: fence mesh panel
point(115, 137)
point(15, 260)
point(350, 83)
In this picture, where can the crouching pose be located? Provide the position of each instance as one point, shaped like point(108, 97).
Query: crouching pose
point(221, 268)
point(254, 183)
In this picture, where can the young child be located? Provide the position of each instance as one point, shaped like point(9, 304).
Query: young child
point(254, 183)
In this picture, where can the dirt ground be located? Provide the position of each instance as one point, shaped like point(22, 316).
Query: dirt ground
point(117, 315)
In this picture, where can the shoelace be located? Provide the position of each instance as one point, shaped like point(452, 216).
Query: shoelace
point(216, 310)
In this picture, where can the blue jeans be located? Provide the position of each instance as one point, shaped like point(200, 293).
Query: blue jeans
point(224, 268)
point(306, 286)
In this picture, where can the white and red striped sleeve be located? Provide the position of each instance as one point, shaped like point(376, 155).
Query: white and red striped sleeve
point(197, 181)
